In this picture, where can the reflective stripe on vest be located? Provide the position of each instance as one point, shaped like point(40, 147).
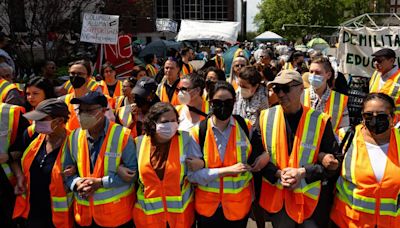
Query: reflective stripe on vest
point(231, 184)
point(309, 142)
point(112, 157)
point(7, 171)
point(288, 66)
point(124, 114)
point(152, 69)
point(7, 127)
point(5, 87)
point(174, 204)
point(348, 192)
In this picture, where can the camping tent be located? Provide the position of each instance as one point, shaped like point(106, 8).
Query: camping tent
point(208, 30)
point(268, 36)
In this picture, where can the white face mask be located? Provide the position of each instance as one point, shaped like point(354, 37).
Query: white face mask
point(246, 93)
point(44, 127)
point(88, 121)
point(316, 80)
point(166, 130)
point(184, 97)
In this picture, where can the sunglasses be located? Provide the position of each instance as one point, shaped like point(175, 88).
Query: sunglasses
point(239, 65)
point(77, 74)
point(379, 115)
point(378, 60)
point(284, 88)
point(218, 102)
point(184, 89)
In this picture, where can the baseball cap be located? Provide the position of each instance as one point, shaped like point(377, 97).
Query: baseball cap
point(91, 98)
point(285, 77)
point(52, 107)
point(145, 86)
point(386, 52)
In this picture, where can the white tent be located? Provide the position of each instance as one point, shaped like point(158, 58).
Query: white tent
point(268, 36)
point(208, 30)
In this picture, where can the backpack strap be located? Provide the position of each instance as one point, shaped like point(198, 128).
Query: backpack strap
point(348, 138)
point(242, 123)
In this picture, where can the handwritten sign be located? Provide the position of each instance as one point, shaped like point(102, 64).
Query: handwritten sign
point(100, 28)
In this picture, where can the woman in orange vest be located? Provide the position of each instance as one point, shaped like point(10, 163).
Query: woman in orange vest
point(224, 191)
point(164, 194)
point(45, 203)
point(368, 189)
point(111, 86)
point(193, 109)
point(237, 64)
point(151, 68)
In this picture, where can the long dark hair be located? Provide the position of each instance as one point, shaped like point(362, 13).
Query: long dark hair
point(40, 83)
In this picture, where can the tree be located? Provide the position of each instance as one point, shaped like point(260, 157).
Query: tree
point(275, 13)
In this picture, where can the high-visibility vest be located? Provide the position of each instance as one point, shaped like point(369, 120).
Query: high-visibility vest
point(20, 87)
point(233, 192)
point(92, 85)
point(31, 130)
point(117, 92)
point(73, 121)
point(219, 62)
point(288, 66)
point(206, 103)
point(118, 102)
point(185, 70)
point(151, 70)
point(162, 94)
point(9, 119)
point(109, 207)
point(233, 82)
point(168, 200)
point(299, 203)
point(361, 200)
point(391, 87)
point(5, 88)
point(334, 106)
point(125, 116)
point(60, 201)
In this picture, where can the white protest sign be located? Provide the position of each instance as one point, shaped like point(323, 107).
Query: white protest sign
point(100, 28)
point(166, 25)
point(356, 45)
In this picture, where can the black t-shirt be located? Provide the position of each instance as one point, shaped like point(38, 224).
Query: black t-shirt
point(111, 89)
point(171, 89)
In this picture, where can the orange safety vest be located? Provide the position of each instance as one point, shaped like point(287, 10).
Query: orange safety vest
point(92, 86)
point(362, 201)
point(185, 70)
point(5, 87)
point(391, 87)
point(9, 120)
point(334, 106)
point(164, 201)
point(288, 66)
point(151, 70)
point(219, 62)
point(162, 94)
point(109, 207)
point(299, 203)
point(73, 121)
point(118, 89)
point(233, 192)
point(118, 101)
point(60, 200)
point(125, 117)
point(206, 103)
point(31, 130)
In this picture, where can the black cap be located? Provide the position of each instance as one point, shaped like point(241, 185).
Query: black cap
point(91, 98)
point(145, 86)
point(386, 52)
point(52, 107)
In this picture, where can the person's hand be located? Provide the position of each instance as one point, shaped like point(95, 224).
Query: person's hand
point(291, 177)
point(238, 168)
point(260, 162)
point(330, 162)
point(194, 163)
point(134, 109)
point(20, 186)
point(126, 174)
point(88, 186)
point(69, 171)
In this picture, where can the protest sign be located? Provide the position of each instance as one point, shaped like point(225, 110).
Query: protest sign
point(100, 28)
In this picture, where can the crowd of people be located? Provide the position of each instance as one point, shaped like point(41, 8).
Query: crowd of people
point(175, 146)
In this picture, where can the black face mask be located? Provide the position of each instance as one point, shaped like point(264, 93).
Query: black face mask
point(223, 110)
point(76, 81)
point(377, 124)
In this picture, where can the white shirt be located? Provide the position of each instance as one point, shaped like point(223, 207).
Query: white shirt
point(378, 157)
point(185, 122)
point(386, 76)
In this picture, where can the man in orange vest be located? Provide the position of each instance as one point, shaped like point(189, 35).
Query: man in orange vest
point(297, 138)
point(187, 55)
point(97, 149)
point(386, 78)
point(9, 91)
point(167, 90)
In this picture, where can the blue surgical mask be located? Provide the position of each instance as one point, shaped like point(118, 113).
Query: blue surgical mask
point(316, 80)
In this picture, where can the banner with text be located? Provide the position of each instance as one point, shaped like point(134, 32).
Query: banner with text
point(100, 28)
point(357, 45)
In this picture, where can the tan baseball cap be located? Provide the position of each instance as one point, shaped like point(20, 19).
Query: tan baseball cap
point(285, 77)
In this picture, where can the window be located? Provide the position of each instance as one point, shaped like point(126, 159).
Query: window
point(392, 2)
point(162, 8)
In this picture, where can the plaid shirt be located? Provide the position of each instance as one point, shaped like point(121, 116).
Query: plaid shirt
point(319, 103)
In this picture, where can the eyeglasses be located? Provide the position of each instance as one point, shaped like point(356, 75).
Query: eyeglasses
point(261, 56)
point(378, 60)
point(218, 102)
point(184, 89)
point(285, 88)
point(239, 65)
point(377, 115)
